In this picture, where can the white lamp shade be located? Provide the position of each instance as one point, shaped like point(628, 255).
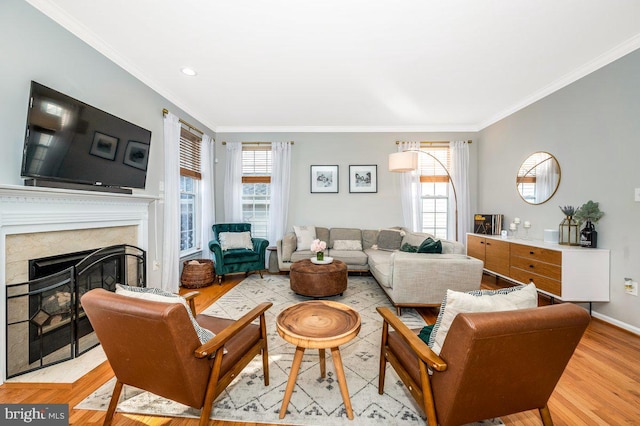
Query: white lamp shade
point(405, 161)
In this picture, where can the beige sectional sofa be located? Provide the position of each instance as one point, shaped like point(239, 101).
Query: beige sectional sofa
point(408, 279)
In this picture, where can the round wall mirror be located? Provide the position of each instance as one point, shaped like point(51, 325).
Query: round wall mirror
point(538, 178)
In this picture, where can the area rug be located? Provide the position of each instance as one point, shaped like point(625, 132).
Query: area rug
point(315, 401)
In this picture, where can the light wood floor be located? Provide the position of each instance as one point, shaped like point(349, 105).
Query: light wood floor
point(601, 385)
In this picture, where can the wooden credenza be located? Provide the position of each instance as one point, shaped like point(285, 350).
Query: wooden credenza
point(569, 273)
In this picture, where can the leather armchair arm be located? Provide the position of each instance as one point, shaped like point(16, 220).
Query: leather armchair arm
point(421, 349)
point(221, 338)
point(191, 300)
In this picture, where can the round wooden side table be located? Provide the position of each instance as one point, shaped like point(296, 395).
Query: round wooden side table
point(318, 324)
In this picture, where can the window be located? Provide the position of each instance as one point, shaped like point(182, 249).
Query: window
point(435, 188)
point(256, 187)
point(189, 191)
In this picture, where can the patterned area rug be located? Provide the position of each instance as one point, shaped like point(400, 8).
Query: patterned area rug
point(315, 401)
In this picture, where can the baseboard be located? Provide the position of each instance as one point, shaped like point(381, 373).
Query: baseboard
point(619, 324)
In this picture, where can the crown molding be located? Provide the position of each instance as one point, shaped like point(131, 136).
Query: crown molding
point(347, 129)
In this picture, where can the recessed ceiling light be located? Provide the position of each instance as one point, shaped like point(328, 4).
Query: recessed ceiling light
point(189, 71)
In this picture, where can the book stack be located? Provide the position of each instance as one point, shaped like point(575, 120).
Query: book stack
point(487, 224)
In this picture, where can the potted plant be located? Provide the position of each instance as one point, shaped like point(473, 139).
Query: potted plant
point(589, 213)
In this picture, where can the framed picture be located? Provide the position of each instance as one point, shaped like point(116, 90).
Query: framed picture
point(363, 178)
point(136, 155)
point(104, 146)
point(324, 179)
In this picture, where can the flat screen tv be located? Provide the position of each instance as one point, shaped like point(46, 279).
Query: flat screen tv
point(71, 144)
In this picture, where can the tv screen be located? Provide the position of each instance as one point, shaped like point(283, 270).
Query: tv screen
point(70, 141)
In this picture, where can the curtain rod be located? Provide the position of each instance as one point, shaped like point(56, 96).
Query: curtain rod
point(255, 143)
point(166, 111)
point(436, 142)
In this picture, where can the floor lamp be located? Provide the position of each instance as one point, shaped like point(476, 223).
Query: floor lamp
point(407, 161)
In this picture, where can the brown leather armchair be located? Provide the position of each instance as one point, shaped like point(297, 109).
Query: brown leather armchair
point(154, 346)
point(491, 364)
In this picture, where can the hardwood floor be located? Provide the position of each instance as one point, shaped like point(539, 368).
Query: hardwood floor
point(601, 385)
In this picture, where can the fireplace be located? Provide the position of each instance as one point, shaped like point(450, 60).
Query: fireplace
point(45, 320)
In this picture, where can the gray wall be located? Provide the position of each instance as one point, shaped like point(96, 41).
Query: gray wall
point(33, 47)
point(592, 127)
point(344, 209)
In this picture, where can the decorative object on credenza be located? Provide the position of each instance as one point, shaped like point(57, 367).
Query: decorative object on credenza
point(363, 178)
point(589, 213)
point(318, 247)
point(568, 229)
point(526, 225)
point(324, 179)
point(488, 224)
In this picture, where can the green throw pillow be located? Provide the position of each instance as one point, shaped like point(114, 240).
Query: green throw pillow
point(408, 248)
point(425, 333)
point(430, 246)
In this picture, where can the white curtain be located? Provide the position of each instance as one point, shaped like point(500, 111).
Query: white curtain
point(171, 229)
point(233, 183)
point(410, 192)
point(547, 176)
point(280, 184)
point(460, 176)
point(207, 211)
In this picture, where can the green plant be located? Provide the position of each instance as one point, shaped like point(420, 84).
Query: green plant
point(568, 210)
point(589, 211)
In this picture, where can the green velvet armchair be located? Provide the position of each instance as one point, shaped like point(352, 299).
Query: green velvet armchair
point(229, 257)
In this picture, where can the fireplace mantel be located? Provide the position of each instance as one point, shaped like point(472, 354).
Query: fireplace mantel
point(33, 210)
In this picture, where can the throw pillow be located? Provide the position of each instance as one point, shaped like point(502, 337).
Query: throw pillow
point(455, 302)
point(158, 295)
point(416, 238)
point(235, 240)
point(425, 333)
point(347, 245)
point(430, 246)
point(288, 246)
point(409, 248)
point(304, 236)
point(390, 239)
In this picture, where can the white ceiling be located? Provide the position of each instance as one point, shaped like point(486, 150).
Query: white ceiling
point(354, 65)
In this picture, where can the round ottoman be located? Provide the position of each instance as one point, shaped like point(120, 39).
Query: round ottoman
point(313, 280)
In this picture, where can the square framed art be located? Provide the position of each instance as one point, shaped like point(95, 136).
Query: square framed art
point(324, 179)
point(363, 178)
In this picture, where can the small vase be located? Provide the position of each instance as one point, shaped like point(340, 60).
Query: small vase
point(320, 256)
point(589, 235)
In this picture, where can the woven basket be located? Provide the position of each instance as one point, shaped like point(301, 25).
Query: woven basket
point(197, 275)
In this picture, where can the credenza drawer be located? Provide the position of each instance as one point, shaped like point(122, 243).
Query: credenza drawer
point(540, 268)
point(543, 283)
point(536, 253)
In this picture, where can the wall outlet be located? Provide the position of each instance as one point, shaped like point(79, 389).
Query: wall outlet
point(637, 194)
point(631, 287)
point(156, 265)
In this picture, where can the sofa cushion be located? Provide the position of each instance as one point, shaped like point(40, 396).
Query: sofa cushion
point(369, 238)
point(344, 234)
point(430, 246)
point(381, 265)
point(304, 236)
point(159, 295)
point(240, 256)
point(347, 245)
point(455, 302)
point(235, 240)
point(390, 239)
point(289, 244)
point(452, 247)
point(350, 257)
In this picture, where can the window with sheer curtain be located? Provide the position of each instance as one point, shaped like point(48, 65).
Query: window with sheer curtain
point(190, 176)
point(256, 187)
point(435, 190)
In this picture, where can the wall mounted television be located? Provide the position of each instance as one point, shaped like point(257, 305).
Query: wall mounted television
point(70, 144)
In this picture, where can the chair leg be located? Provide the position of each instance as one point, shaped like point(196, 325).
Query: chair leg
point(115, 396)
point(220, 279)
point(265, 350)
point(545, 414)
point(399, 311)
point(383, 359)
point(260, 271)
point(210, 394)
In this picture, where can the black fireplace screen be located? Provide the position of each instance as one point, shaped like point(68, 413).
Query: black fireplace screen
point(45, 320)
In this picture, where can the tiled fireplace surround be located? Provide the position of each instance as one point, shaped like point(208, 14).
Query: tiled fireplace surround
point(39, 222)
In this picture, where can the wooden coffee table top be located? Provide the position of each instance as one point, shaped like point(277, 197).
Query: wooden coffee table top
point(318, 324)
